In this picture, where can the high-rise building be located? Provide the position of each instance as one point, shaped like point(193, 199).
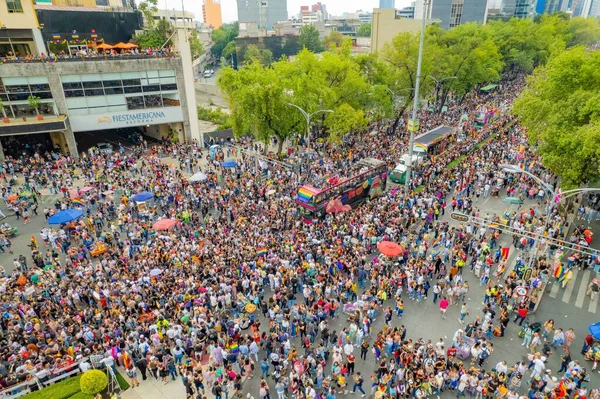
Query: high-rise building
point(320, 7)
point(387, 4)
point(519, 8)
point(265, 13)
point(452, 13)
point(211, 13)
point(594, 9)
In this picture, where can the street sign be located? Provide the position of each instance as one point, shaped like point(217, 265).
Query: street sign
point(413, 125)
point(461, 217)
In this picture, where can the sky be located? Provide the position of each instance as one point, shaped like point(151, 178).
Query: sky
point(229, 7)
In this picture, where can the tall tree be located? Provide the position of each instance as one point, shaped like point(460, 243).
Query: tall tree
point(309, 39)
point(222, 37)
point(561, 110)
point(364, 30)
point(334, 38)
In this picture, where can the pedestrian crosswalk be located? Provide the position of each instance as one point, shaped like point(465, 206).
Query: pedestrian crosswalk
point(575, 292)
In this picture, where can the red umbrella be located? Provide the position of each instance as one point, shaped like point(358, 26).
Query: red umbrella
point(164, 224)
point(389, 248)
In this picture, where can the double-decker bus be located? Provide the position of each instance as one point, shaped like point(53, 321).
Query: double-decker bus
point(368, 181)
point(435, 141)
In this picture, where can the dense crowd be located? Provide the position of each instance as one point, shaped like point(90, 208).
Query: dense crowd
point(243, 290)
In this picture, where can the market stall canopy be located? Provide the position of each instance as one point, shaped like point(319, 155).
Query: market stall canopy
point(130, 45)
point(65, 216)
point(488, 88)
point(164, 224)
point(121, 46)
point(229, 164)
point(196, 177)
point(143, 196)
point(104, 46)
point(389, 248)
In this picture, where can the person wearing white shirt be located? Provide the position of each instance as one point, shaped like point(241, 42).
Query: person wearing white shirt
point(348, 349)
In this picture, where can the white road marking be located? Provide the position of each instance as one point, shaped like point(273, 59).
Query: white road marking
point(554, 290)
point(570, 285)
point(582, 288)
point(593, 304)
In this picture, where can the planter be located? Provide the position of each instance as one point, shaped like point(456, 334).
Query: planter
point(40, 117)
point(5, 120)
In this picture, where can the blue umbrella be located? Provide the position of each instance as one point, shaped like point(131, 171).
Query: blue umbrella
point(229, 164)
point(65, 216)
point(143, 196)
point(594, 329)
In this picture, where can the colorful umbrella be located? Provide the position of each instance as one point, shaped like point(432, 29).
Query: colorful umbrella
point(65, 216)
point(143, 196)
point(198, 177)
point(164, 224)
point(389, 248)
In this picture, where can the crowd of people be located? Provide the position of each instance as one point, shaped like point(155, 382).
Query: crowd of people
point(89, 53)
point(241, 290)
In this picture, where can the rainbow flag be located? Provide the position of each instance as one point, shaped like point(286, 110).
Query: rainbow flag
point(420, 145)
point(234, 348)
point(261, 252)
point(558, 272)
point(77, 201)
point(504, 252)
point(306, 193)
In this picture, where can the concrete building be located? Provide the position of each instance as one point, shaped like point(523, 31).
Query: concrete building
point(211, 13)
point(87, 95)
point(365, 17)
point(387, 4)
point(20, 32)
point(321, 7)
point(177, 18)
point(594, 9)
point(407, 12)
point(452, 13)
point(387, 24)
point(265, 13)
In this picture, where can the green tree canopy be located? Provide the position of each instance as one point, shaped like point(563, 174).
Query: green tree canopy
point(309, 39)
point(364, 30)
point(222, 37)
point(156, 36)
point(334, 38)
point(561, 110)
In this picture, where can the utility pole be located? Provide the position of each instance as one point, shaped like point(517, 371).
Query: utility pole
point(413, 123)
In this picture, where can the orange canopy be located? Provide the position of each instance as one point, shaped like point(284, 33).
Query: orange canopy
point(131, 45)
point(121, 45)
point(104, 46)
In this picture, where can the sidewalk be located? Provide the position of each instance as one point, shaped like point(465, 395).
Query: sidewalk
point(155, 389)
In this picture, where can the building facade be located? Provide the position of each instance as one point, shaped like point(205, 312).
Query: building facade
point(86, 96)
point(20, 33)
point(452, 13)
point(265, 13)
point(387, 24)
point(387, 4)
point(211, 13)
point(519, 8)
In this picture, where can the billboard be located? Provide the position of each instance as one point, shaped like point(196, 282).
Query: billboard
point(114, 120)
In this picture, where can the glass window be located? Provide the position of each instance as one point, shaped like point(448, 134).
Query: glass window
point(71, 86)
point(117, 108)
point(111, 83)
point(153, 81)
point(152, 74)
point(3, 97)
point(37, 80)
point(113, 90)
point(70, 78)
point(168, 80)
point(96, 101)
point(132, 75)
point(166, 73)
point(92, 85)
point(151, 88)
point(14, 6)
point(167, 87)
point(153, 101)
point(171, 102)
point(18, 96)
point(131, 82)
point(73, 93)
point(115, 100)
point(39, 87)
point(43, 94)
point(80, 111)
point(135, 102)
point(12, 81)
point(18, 89)
point(133, 89)
point(94, 92)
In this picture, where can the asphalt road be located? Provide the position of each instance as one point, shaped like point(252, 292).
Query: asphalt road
point(421, 319)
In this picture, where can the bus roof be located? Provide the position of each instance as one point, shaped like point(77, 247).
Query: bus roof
point(434, 135)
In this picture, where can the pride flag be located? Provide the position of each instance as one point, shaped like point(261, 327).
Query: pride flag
point(261, 252)
point(234, 348)
point(77, 201)
point(504, 252)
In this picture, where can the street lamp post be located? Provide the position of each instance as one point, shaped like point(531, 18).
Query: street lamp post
point(556, 198)
point(440, 82)
point(413, 123)
point(307, 116)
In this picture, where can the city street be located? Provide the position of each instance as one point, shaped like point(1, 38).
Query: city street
point(569, 308)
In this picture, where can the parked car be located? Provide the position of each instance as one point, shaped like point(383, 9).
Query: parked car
point(106, 148)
